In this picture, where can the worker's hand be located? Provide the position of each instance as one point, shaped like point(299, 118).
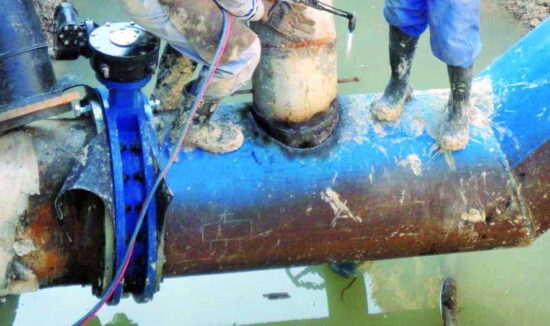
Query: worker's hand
point(287, 18)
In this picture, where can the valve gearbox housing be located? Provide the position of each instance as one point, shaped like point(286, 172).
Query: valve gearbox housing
point(123, 52)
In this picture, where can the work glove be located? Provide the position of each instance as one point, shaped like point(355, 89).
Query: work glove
point(287, 18)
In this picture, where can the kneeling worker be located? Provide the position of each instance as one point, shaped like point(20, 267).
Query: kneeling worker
point(193, 27)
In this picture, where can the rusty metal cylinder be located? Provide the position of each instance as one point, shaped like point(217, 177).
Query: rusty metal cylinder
point(295, 84)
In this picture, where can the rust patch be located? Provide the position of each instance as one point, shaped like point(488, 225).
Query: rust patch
point(40, 223)
point(47, 264)
point(534, 179)
point(50, 258)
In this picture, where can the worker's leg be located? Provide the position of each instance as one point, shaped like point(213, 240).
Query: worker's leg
point(194, 28)
point(407, 19)
point(454, 30)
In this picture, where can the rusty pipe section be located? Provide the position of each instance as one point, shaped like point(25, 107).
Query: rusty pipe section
point(532, 175)
point(43, 250)
point(295, 84)
point(374, 191)
point(370, 193)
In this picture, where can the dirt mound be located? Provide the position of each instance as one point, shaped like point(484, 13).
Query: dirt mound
point(530, 12)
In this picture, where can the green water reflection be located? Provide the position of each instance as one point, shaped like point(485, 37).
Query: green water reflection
point(500, 287)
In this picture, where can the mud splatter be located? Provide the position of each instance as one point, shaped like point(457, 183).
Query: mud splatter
point(450, 160)
point(339, 207)
point(403, 67)
point(473, 216)
point(175, 70)
point(82, 157)
point(23, 247)
point(412, 161)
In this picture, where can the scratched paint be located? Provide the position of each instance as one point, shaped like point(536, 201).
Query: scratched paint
point(339, 207)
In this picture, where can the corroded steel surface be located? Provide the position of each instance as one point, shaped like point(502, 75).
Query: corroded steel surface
point(307, 231)
point(372, 214)
point(534, 178)
point(59, 246)
point(374, 191)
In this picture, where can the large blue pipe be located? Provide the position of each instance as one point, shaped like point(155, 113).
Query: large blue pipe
point(521, 86)
point(374, 190)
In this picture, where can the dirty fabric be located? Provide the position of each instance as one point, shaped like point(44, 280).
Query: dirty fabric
point(193, 39)
point(454, 26)
point(175, 70)
point(243, 9)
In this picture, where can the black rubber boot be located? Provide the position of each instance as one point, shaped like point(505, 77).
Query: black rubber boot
point(454, 131)
point(448, 305)
point(221, 137)
point(398, 90)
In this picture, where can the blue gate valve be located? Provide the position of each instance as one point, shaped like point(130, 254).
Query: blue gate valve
point(124, 57)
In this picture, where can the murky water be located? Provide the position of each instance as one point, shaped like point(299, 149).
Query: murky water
point(501, 287)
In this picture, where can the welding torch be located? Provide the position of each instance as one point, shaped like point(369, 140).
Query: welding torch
point(316, 4)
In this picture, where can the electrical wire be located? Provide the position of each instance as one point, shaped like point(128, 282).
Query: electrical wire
point(204, 84)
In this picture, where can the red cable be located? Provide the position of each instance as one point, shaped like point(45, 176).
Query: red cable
point(117, 280)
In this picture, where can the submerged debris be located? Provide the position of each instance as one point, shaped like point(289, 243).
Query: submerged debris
point(277, 296)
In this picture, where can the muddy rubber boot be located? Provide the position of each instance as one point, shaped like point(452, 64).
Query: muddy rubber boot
point(390, 106)
point(454, 131)
point(222, 137)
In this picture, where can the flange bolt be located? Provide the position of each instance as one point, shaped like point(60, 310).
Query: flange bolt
point(105, 70)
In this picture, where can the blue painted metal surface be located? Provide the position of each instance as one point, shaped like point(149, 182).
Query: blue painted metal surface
point(265, 172)
point(521, 86)
point(375, 190)
point(131, 140)
point(386, 181)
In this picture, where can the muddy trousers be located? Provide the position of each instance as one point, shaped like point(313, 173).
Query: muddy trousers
point(194, 29)
point(454, 26)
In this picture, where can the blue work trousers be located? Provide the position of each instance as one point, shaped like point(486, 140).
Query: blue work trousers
point(454, 26)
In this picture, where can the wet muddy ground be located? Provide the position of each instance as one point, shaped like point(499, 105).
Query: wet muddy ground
point(529, 12)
